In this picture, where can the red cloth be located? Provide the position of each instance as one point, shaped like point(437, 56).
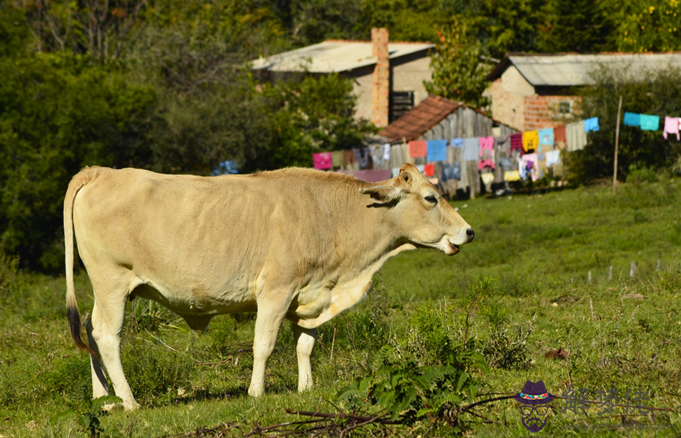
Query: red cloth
point(429, 170)
point(559, 135)
point(517, 143)
point(418, 148)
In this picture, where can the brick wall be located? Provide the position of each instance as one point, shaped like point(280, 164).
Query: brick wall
point(381, 77)
point(542, 111)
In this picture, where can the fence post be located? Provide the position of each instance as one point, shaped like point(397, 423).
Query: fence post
point(632, 270)
point(610, 274)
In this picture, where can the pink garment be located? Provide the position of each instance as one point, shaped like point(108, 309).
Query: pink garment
point(322, 160)
point(486, 152)
point(671, 126)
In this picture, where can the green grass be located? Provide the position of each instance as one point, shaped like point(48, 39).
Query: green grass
point(536, 252)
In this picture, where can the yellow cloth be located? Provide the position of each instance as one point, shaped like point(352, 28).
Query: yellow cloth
point(337, 158)
point(530, 140)
point(511, 175)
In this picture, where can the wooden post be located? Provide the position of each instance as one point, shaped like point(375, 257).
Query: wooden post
point(610, 274)
point(632, 270)
point(617, 142)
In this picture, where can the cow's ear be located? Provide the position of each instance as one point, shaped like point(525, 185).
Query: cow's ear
point(383, 194)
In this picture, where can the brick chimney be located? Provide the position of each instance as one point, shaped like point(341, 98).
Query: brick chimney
point(381, 83)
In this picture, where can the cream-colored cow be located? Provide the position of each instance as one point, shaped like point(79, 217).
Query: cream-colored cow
point(298, 244)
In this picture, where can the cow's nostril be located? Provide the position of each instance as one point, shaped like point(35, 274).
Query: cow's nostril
point(470, 233)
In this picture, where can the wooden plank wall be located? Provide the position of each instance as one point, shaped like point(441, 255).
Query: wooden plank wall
point(464, 123)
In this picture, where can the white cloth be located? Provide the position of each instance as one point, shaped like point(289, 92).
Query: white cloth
point(552, 157)
point(575, 136)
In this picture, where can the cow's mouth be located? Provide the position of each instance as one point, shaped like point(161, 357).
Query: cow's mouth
point(455, 248)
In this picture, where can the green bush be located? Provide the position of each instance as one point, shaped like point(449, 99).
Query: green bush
point(654, 92)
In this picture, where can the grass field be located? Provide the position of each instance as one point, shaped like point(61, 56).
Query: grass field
point(518, 293)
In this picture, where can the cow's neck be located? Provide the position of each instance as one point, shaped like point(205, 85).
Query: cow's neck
point(365, 238)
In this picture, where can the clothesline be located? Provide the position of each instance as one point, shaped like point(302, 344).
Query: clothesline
point(648, 122)
point(467, 161)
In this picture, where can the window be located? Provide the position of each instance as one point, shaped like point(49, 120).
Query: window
point(564, 107)
point(401, 102)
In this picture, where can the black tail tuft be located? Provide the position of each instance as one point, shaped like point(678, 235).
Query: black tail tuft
point(74, 326)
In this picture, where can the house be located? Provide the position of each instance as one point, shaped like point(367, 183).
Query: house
point(438, 118)
point(388, 76)
point(541, 91)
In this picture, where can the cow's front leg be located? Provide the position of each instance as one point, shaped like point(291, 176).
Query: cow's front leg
point(305, 343)
point(267, 325)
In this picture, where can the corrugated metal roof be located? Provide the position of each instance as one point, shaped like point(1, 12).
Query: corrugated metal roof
point(333, 56)
point(574, 69)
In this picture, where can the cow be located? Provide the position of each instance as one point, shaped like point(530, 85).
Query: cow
point(294, 243)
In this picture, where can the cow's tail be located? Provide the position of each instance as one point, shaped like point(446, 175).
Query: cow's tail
point(81, 179)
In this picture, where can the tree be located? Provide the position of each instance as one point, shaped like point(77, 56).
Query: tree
point(58, 113)
point(653, 26)
point(582, 26)
point(458, 73)
point(308, 115)
point(653, 92)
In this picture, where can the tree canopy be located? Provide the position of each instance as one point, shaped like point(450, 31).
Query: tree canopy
point(165, 84)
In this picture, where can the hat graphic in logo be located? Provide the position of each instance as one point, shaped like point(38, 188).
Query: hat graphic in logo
point(534, 409)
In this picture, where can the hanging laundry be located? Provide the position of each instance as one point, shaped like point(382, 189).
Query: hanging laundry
point(451, 171)
point(429, 169)
point(502, 151)
point(559, 139)
point(337, 159)
point(545, 140)
point(576, 136)
point(434, 181)
point(376, 156)
point(671, 126)
point(437, 150)
point(386, 154)
point(395, 172)
point(421, 167)
point(471, 149)
point(486, 152)
point(457, 142)
point(322, 160)
point(632, 119)
point(487, 178)
point(591, 124)
point(530, 140)
point(511, 175)
point(529, 167)
point(363, 157)
point(552, 157)
point(418, 148)
point(650, 123)
point(517, 142)
point(349, 160)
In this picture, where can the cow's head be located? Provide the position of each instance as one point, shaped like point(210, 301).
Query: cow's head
point(421, 215)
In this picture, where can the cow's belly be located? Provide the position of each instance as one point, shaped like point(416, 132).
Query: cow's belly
point(196, 301)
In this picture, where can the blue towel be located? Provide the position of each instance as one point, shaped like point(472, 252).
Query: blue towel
point(437, 151)
point(632, 119)
point(591, 124)
point(650, 123)
point(457, 142)
point(546, 139)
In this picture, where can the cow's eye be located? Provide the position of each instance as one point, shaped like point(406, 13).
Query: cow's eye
point(431, 199)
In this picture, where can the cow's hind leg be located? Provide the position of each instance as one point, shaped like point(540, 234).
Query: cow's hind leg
point(100, 387)
point(107, 319)
point(305, 339)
